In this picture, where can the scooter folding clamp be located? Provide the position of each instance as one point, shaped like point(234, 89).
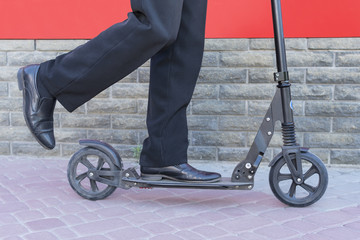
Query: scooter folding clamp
point(281, 76)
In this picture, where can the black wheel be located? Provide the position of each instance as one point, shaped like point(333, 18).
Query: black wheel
point(80, 166)
point(299, 193)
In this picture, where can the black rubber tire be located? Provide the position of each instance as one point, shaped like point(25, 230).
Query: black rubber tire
point(79, 165)
point(306, 193)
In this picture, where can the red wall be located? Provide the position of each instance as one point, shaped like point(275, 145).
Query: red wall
point(62, 19)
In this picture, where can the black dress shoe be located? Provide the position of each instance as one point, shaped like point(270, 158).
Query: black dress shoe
point(182, 172)
point(38, 111)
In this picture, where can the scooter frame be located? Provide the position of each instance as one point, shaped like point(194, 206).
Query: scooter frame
point(292, 155)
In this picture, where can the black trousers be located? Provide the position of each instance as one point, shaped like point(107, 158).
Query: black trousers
point(171, 33)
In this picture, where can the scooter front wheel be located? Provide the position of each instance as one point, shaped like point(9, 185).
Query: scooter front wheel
point(294, 193)
point(80, 168)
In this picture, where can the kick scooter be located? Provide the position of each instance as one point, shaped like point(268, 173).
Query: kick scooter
point(297, 177)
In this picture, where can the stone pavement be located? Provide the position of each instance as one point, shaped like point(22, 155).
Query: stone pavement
point(36, 202)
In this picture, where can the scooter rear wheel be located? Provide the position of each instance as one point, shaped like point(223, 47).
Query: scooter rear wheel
point(299, 194)
point(80, 166)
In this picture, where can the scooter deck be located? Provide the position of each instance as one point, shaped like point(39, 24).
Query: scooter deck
point(224, 183)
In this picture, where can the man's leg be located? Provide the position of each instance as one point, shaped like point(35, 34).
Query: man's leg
point(174, 71)
point(76, 77)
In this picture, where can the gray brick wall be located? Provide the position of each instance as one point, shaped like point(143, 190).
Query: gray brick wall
point(233, 93)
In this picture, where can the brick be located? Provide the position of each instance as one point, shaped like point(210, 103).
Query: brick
point(85, 121)
point(276, 140)
point(239, 123)
point(347, 92)
point(296, 43)
point(333, 75)
point(142, 106)
point(45, 224)
point(262, 44)
point(17, 119)
point(276, 232)
point(346, 125)
point(4, 119)
point(311, 92)
point(226, 44)
point(12, 230)
point(266, 75)
point(347, 59)
point(16, 133)
point(69, 135)
point(214, 107)
point(11, 104)
point(312, 124)
point(246, 92)
point(128, 122)
point(58, 45)
point(202, 153)
point(4, 148)
point(144, 75)
point(33, 149)
point(334, 140)
point(2, 59)
point(309, 59)
point(67, 150)
point(347, 156)
point(232, 154)
point(26, 58)
point(247, 59)
point(8, 73)
point(65, 233)
point(17, 45)
point(115, 136)
point(112, 106)
point(339, 232)
point(209, 231)
point(202, 123)
point(205, 91)
point(131, 78)
point(210, 59)
point(258, 107)
point(126, 151)
point(40, 235)
point(229, 139)
point(98, 227)
point(220, 75)
point(333, 43)
point(332, 109)
point(269, 44)
point(322, 153)
point(14, 90)
point(130, 90)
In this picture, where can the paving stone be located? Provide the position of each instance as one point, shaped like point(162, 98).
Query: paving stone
point(33, 206)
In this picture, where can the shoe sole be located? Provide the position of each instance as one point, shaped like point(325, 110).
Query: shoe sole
point(21, 85)
point(159, 177)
